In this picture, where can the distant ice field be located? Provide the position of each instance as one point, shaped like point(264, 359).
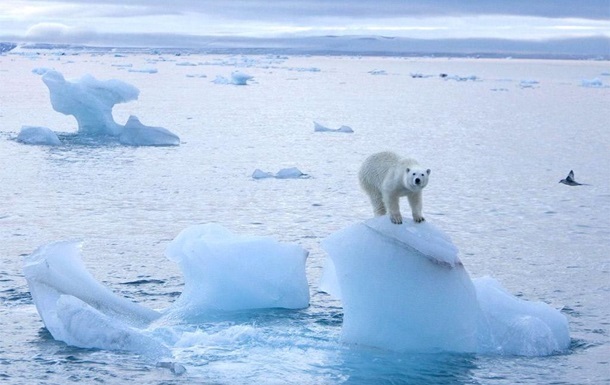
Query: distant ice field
point(498, 136)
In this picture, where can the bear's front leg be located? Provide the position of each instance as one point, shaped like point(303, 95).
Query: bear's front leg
point(415, 201)
point(393, 207)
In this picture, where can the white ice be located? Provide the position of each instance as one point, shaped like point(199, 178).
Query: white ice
point(403, 288)
point(38, 136)
point(144, 70)
point(284, 173)
point(136, 134)
point(320, 128)
point(78, 310)
point(89, 100)
point(224, 271)
point(592, 83)
point(508, 325)
point(529, 83)
point(238, 78)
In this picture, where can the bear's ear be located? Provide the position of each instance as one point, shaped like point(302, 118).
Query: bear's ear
point(428, 171)
point(408, 170)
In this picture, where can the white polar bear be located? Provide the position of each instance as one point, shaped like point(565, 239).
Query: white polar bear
point(386, 177)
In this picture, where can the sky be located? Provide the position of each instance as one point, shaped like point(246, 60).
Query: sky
point(180, 22)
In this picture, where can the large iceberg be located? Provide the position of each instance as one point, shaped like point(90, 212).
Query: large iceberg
point(224, 271)
point(89, 100)
point(404, 288)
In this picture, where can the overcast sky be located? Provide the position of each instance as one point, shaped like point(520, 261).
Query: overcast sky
point(117, 21)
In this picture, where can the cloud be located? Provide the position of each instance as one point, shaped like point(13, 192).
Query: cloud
point(306, 9)
point(58, 32)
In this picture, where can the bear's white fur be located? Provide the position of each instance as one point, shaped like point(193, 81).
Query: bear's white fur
point(386, 177)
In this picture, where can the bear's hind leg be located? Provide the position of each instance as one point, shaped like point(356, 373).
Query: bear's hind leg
point(378, 206)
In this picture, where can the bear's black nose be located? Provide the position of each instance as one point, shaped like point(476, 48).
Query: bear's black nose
point(417, 181)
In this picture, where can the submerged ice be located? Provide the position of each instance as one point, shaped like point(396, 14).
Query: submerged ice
point(403, 288)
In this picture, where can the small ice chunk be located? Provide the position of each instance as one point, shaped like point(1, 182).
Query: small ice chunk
point(38, 136)
point(240, 79)
point(529, 83)
point(220, 80)
point(137, 134)
point(592, 83)
point(260, 174)
point(320, 128)
point(144, 70)
point(290, 173)
point(41, 70)
point(285, 173)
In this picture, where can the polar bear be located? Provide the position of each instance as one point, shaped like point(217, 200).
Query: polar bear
point(385, 177)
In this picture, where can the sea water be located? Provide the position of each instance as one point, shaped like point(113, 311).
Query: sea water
point(497, 134)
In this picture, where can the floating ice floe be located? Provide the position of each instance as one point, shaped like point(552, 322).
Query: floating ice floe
point(41, 70)
point(144, 70)
point(529, 83)
point(224, 271)
point(237, 78)
point(240, 78)
point(459, 78)
point(418, 75)
point(403, 288)
point(592, 83)
point(285, 173)
point(91, 101)
point(320, 128)
point(304, 69)
point(78, 310)
point(38, 136)
point(136, 134)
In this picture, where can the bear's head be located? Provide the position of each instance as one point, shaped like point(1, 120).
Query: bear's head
point(415, 179)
